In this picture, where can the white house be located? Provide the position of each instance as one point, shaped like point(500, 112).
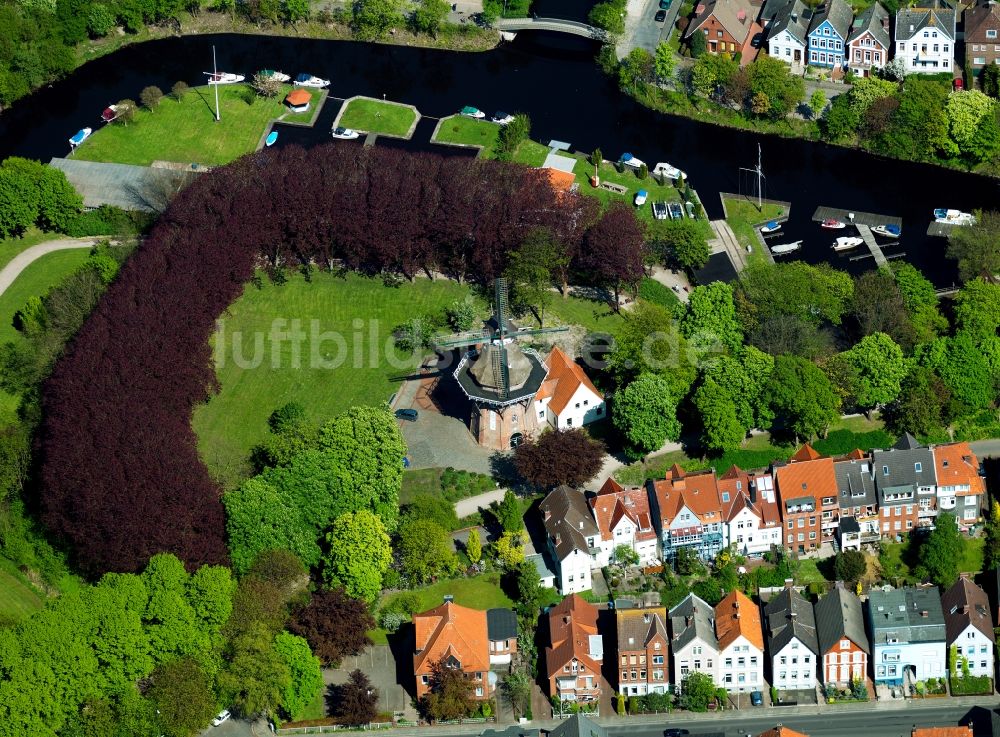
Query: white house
point(623, 518)
point(908, 635)
point(694, 646)
point(567, 398)
point(925, 39)
point(969, 626)
point(741, 644)
point(791, 640)
point(752, 518)
point(787, 31)
point(573, 538)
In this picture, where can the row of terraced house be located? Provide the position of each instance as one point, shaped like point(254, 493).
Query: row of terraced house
point(924, 37)
point(809, 504)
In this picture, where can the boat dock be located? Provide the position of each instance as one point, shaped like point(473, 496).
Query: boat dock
point(865, 232)
point(940, 230)
point(854, 217)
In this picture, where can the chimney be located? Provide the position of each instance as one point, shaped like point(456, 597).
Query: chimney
point(885, 24)
point(565, 619)
point(645, 617)
point(581, 524)
point(753, 486)
point(741, 16)
point(448, 598)
point(923, 612)
point(965, 608)
point(753, 492)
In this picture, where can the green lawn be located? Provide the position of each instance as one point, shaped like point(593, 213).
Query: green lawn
point(10, 247)
point(36, 280)
point(463, 129)
point(17, 598)
point(315, 709)
point(376, 116)
point(531, 153)
point(743, 215)
point(419, 481)
point(593, 316)
point(331, 376)
point(896, 559)
point(186, 131)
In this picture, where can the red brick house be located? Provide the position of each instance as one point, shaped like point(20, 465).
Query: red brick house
point(457, 635)
point(573, 659)
point(643, 651)
point(982, 35)
point(807, 491)
point(729, 26)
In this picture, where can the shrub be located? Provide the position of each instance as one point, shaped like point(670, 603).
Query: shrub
point(150, 97)
point(108, 220)
point(657, 293)
point(391, 620)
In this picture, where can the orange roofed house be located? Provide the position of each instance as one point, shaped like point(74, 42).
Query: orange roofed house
point(960, 487)
point(624, 518)
point(573, 658)
point(741, 643)
point(782, 731)
point(567, 398)
point(963, 731)
point(729, 27)
point(689, 511)
point(458, 636)
point(807, 491)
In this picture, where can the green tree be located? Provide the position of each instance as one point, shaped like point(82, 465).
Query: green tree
point(18, 209)
point(58, 201)
point(374, 18)
point(358, 555)
point(698, 45)
point(664, 62)
point(516, 690)
point(648, 341)
point(977, 309)
point(182, 693)
point(941, 551)
point(966, 110)
point(879, 307)
point(976, 247)
point(512, 135)
point(530, 269)
point(100, 20)
point(306, 677)
point(636, 69)
point(964, 369)
point(645, 412)
point(990, 80)
point(425, 550)
point(710, 323)
point(625, 555)
point(292, 11)
point(450, 695)
point(866, 91)
point(150, 97)
point(474, 546)
point(508, 550)
point(697, 691)
point(432, 507)
point(991, 549)
point(430, 15)
point(255, 678)
point(772, 78)
point(817, 103)
point(125, 112)
point(801, 397)
point(921, 301)
point(796, 289)
point(922, 406)
point(608, 15)
point(850, 566)
point(985, 144)
point(529, 589)
point(508, 513)
point(919, 127)
point(680, 242)
point(712, 71)
point(839, 121)
point(880, 368)
point(721, 430)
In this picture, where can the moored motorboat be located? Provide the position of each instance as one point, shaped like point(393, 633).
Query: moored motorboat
point(887, 230)
point(832, 224)
point(953, 217)
point(846, 243)
point(502, 118)
point(786, 248)
point(472, 112)
point(308, 80)
point(666, 170)
point(224, 78)
point(631, 161)
point(346, 134)
point(771, 226)
point(272, 137)
point(272, 74)
point(109, 113)
point(80, 136)
point(640, 197)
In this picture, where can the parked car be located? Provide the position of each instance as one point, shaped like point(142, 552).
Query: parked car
point(756, 698)
point(407, 414)
point(221, 717)
point(661, 15)
point(665, 4)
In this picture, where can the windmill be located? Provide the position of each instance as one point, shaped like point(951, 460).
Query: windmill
point(498, 376)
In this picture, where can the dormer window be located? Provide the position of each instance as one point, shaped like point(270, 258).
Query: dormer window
point(918, 467)
point(885, 470)
point(944, 464)
point(725, 496)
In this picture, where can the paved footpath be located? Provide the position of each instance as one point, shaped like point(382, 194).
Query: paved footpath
point(23, 260)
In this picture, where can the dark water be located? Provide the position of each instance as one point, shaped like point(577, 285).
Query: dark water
point(552, 78)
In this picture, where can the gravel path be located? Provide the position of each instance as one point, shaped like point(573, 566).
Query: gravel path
point(23, 260)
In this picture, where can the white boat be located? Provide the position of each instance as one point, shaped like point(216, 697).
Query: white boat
point(954, 217)
point(502, 118)
point(80, 136)
point(631, 161)
point(272, 74)
point(887, 231)
point(832, 224)
point(472, 112)
point(786, 248)
point(308, 80)
point(224, 78)
point(668, 171)
point(846, 243)
point(771, 226)
point(640, 197)
point(346, 134)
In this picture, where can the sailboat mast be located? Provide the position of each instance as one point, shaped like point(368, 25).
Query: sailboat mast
point(760, 177)
point(215, 76)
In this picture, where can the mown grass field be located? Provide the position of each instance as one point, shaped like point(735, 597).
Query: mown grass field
point(333, 372)
point(743, 215)
point(463, 129)
point(376, 116)
point(186, 131)
point(17, 598)
point(36, 280)
point(10, 247)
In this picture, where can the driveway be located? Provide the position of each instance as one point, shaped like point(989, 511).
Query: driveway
point(641, 30)
point(379, 664)
point(23, 260)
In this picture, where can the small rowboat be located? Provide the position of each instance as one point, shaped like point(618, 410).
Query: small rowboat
point(80, 136)
point(831, 224)
point(786, 248)
point(271, 138)
point(771, 226)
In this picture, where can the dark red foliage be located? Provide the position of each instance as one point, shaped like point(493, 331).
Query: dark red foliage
point(613, 249)
point(568, 457)
point(121, 476)
point(335, 625)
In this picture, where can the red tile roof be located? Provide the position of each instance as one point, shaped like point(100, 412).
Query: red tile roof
point(737, 615)
point(611, 506)
point(965, 731)
point(572, 622)
point(450, 629)
point(562, 381)
point(782, 731)
point(699, 492)
point(956, 464)
point(298, 97)
point(808, 474)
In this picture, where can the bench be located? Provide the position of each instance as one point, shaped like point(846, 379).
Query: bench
point(612, 187)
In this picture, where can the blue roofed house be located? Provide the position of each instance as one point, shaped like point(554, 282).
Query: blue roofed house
point(828, 34)
point(908, 635)
point(787, 25)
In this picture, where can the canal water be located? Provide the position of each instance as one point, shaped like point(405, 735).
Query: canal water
point(554, 79)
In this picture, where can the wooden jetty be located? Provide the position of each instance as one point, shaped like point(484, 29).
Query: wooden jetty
point(866, 233)
point(870, 219)
point(940, 230)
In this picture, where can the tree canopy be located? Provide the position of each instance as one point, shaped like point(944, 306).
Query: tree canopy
point(941, 552)
point(801, 397)
point(358, 554)
point(557, 457)
point(645, 412)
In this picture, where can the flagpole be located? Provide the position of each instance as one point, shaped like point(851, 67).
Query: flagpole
point(215, 71)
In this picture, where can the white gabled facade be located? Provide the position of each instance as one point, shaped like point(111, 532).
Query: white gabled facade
point(793, 667)
point(925, 40)
point(623, 517)
point(693, 645)
point(788, 48)
point(567, 398)
point(741, 666)
point(574, 572)
point(975, 647)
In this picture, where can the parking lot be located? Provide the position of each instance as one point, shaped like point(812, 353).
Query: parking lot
point(642, 31)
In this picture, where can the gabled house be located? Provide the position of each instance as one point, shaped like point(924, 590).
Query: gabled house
point(840, 632)
point(694, 646)
point(906, 483)
point(567, 397)
point(982, 35)
point(782, 731)
point(729, 27)
point(807, 495)
point(689, 512)
point(969, 626)
point(791, 640)
point(869, 43)
point(643, 651)
point(573, 657)
point(907, 635)
point(925, 39)
point(964, 730)
point(458, 636)
point(572, 536)
point(501, 630)
point(828, 34)
point(752, 520)
point(580, 725)
point(858, 497)
point(788, 33)
point(624, 518)
point(741, 643)
point(960, 487)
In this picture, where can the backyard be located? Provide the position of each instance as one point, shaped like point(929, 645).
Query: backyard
point(377, 116)
point(185, 131)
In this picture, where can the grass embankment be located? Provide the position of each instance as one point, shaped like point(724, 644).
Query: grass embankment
point(36, 280)
point(473, 132)
point(17, 598)
point(185, 131)
point(376, 116)
point(743, 217)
